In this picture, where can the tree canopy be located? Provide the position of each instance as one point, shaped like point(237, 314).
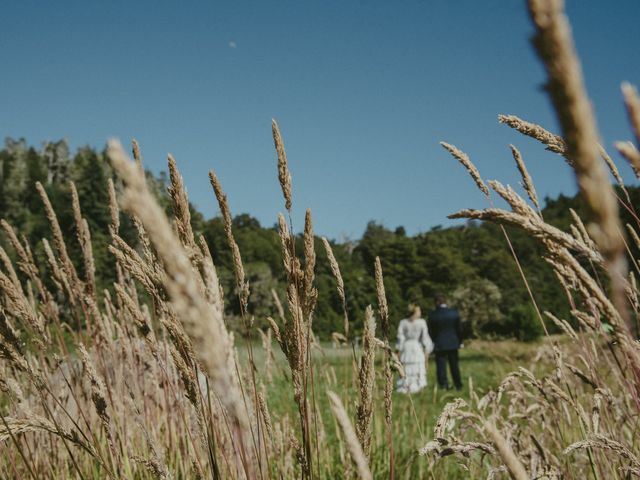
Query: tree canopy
point(471, 264)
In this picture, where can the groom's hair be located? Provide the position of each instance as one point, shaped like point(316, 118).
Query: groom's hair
point(440, 299)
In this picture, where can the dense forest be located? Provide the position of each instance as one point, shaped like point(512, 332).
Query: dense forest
point(472, 264)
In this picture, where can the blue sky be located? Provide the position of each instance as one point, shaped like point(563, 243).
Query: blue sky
point(363, 92)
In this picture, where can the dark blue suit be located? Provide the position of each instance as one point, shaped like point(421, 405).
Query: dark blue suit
point(445, 329)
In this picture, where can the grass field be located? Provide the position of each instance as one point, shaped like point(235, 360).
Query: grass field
point(483, 365)
point(157, 387)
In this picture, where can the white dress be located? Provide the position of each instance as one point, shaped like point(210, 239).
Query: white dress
point(413, 342)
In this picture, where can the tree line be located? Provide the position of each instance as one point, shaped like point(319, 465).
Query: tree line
point(472, 263)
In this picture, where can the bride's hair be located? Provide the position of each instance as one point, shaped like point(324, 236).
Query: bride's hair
point(411, 309)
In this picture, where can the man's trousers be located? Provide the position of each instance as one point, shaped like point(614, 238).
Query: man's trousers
point(442, 358)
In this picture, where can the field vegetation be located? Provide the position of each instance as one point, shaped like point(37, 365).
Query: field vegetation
point(125, 352)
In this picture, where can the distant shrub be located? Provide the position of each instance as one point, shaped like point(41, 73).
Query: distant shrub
point(522, 323)
point(478, 303)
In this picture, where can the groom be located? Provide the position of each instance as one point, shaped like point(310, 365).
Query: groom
point(445, 330)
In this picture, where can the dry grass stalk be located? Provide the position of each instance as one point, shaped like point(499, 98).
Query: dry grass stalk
point(555, 47)
point(130, 260)
point(582, 230)
point(11, 349)
point(382, 298)
point(154, 467)
point(266, 417)
point(594, 295)
point(58, 276)
point(310, 292)
point(14, 303)
point(8, 266)
point(24, 262)
point(278, 304)
point(287, 247)
point(443, 449)
point(296, 341)
point(585, 377)
point(634, 235)
point(388, 374)
point(527, 182)
point(58, 240)
point(350, 437)
point(563, 325)
point(283, 168)
point(449, 412)
point(466, 162)
point(335, 270)
point(517, 203)
point(213, 288)
point(364, 413)
point(535, 228)
point(511, 461)
point(202, 321)
point(613, 169)
point(338, 339)
point(602, 442)
point(17, 426)
point(145, 245)
point(268, 353)
point(114, 210)
point(18, 306)
point(554, 143)
point(140, 320)
point(631, 154)
point(396, 365)
point(297, 335)
point(33, 423)
point(186, 373)
point(181, 212)
point(276, 333)
point(84, 238)
point(632, 102)
point(632, 292)
point(238, 268)
point(10, 336)
point(98, 396)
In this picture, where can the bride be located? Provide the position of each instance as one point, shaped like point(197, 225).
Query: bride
point(413, 344)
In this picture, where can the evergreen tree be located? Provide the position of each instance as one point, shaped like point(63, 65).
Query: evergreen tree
point(472, 263)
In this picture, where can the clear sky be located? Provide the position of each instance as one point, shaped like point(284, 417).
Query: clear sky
point(363, 91)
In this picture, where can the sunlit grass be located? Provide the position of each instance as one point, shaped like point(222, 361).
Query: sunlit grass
point(483, 365)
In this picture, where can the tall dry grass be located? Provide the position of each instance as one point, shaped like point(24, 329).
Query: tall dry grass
point(576, 418)
point(154, 385)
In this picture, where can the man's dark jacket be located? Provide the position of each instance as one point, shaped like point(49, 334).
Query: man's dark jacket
point(445, 329)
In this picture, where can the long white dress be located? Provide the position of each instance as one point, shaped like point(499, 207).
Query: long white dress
point(413, 342)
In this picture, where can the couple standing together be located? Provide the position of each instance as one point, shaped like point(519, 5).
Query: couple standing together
point(417, 338)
